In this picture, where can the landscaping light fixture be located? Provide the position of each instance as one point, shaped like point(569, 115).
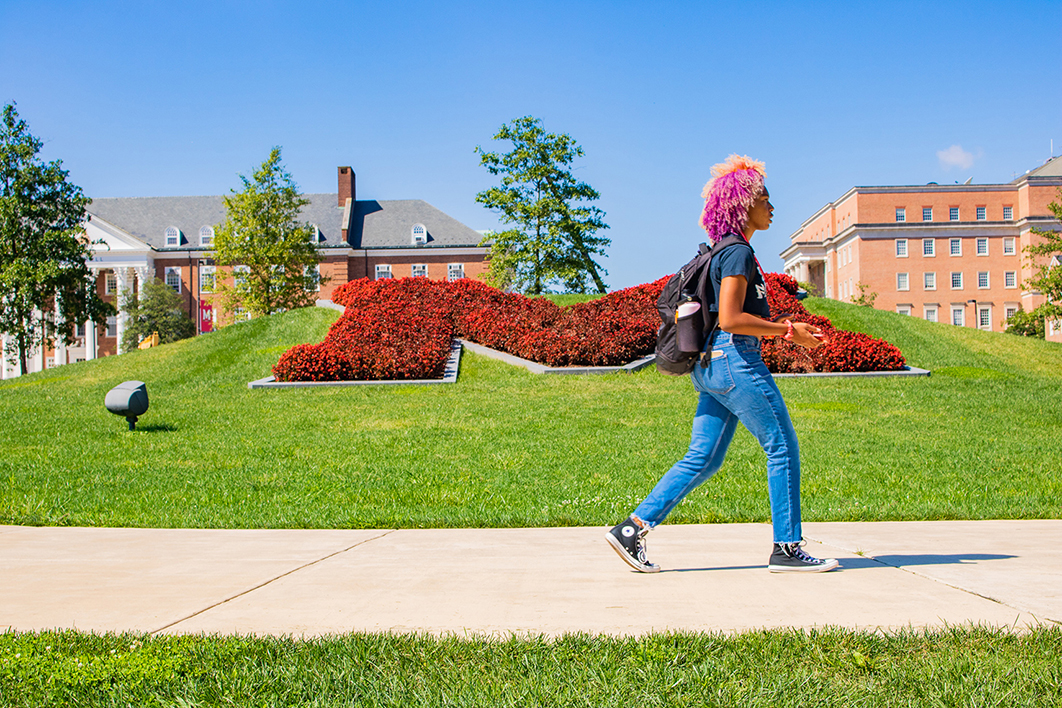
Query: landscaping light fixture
point(128, 399)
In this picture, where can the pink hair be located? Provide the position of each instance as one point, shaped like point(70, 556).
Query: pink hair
point(729, 194)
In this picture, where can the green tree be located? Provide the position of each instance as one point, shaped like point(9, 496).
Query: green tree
point(553, 238)
point(1026, 324)
point(43, 253)
point(262, 236)
point(157, 308)
point(864, 298)
point(1046, 258)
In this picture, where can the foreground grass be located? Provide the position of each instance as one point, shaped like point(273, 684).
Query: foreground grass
point(502, 447)
point(967, 667)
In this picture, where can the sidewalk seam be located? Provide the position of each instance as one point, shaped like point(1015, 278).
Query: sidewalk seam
point(271, 580)
point(938, 580)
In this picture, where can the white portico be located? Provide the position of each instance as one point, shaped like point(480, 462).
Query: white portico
point(128, 258)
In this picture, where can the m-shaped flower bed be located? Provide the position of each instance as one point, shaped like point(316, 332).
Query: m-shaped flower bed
point(402, 329)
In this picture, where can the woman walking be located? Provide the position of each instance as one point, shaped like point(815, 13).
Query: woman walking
point(735, 385)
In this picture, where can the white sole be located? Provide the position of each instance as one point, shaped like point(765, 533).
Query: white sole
point(622, 552)
point(824, 568)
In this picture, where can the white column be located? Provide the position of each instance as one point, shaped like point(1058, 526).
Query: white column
point(60, 345)
point(123, 279)
point(4, 372)
point(90, 341)
point(143, 274)
point(38, 354)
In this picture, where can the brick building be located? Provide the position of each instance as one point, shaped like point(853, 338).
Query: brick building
point(171, 238)
point(945, 253)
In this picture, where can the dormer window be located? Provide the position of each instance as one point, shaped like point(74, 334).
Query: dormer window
point(420, 235)
point(173, 236)
point(315, 234)
point(206, 236)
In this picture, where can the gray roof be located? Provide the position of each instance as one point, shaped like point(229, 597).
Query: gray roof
point(374, 224)
point(1051, 168)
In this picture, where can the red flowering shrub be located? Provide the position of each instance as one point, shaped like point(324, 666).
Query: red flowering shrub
point(840, 351)
point(312, 362)
point(402, 329)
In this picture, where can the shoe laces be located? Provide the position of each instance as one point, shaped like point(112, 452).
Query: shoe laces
point(796, 550)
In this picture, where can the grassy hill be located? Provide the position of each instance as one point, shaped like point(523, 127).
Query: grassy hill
point(502, 447)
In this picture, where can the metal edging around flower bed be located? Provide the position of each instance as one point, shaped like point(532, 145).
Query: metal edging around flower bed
point(453, 365)
point(535, 368)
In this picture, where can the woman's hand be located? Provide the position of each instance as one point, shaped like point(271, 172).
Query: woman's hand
point(807, 335)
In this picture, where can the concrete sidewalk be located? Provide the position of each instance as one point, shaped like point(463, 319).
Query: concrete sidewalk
point(538, 581)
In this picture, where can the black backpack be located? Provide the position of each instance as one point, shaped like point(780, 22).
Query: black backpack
point(680, 343)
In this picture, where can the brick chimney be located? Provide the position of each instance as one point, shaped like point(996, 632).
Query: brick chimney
point(346, 186)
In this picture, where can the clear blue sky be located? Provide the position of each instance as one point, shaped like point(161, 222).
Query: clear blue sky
point(177, 98)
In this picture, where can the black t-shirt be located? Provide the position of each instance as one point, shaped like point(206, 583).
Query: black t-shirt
point(739, 260)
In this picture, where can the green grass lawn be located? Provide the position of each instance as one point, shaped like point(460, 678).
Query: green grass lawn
point(955, 667)
point(503, 447)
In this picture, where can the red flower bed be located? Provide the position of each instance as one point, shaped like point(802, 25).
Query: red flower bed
point(402, 329)
point(841, 351)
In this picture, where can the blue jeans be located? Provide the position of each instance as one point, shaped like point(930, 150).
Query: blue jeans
point(736, 385)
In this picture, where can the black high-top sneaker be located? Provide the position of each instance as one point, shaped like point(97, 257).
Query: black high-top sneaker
point(791, 558)
point(627, 540)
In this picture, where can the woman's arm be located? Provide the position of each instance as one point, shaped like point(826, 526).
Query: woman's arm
point(733, 318)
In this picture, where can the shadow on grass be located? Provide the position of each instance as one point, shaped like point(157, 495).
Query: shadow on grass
point(155, 428)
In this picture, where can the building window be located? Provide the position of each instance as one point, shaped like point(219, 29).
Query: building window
point(953, 213)
point(79, 330)
point(901, 281)
point(315, 234)
point(112, 326)
point(313, 278)
point(383, 271)
point(239, 275)
point(982, 279)
point(901, 248)
point(903, 310)
point(956, 281)
point(980, 211)
point(958, 315)
point(455, 271)
point(955, 246)
point(982, 246)
point(1009, 312)
point(173, 236)
point(110, 283)
point(206, 236)
point(901, 214)
point(1010, 279)
point(929, 281)
point(1008, 213)
point(420, 270)
point(1008, 246)
point(927, 213)
point(984, 317)
point(207, 278)
point(173, 279)
point(930, 313)
point(929, 247)
point(420, 235)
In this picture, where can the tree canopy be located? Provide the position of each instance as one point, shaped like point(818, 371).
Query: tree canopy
point(46, 286)
point(553, 238)
point(1046, 258)
point(262, 238)
point(156, 308)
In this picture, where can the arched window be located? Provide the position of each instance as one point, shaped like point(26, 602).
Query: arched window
point(206, 236)
point(420, 235)
point(173, 236)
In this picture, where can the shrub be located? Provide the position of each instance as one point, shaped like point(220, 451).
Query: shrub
point(402, 329)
